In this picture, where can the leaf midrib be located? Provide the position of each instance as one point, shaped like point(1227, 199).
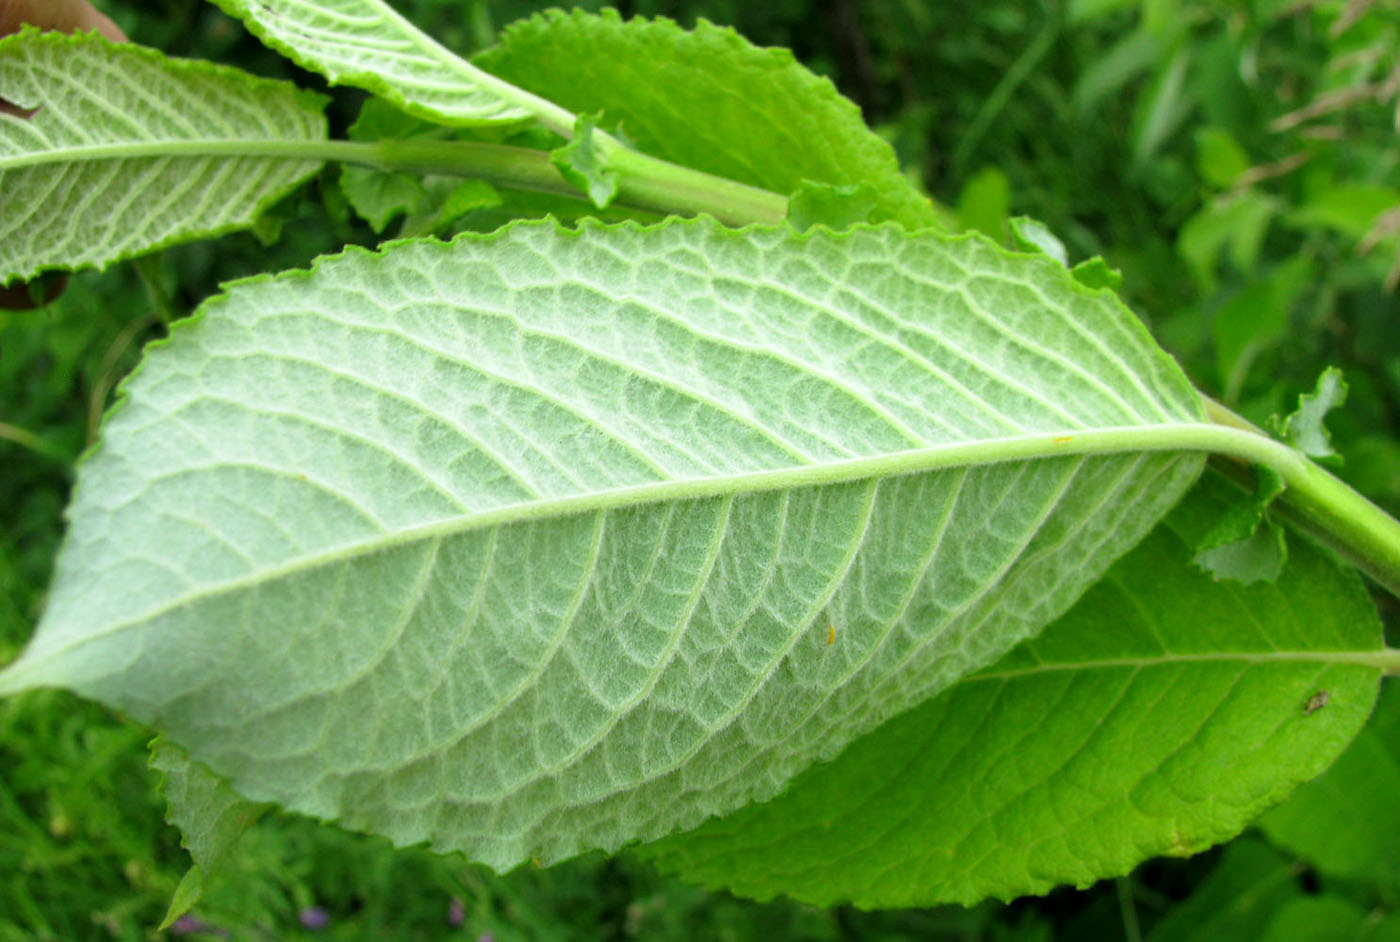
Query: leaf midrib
point(1112, 440)
point(1355, 658)
point(273, 148)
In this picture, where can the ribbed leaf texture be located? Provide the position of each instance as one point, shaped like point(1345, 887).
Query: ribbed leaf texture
point(1160, 715)
point(129, 151)
point(536, 542)
point(365, 43)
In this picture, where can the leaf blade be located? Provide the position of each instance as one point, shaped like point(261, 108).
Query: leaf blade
point(533, 496)
point(140, 151)
point(706, 98)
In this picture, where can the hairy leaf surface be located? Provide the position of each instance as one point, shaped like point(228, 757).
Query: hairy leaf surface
point(707, 98)
point(365, 43)
point(129, 151)
point(533, 542)
point(1160, 715)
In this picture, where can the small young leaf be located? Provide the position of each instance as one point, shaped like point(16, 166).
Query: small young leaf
point(378, 196)
point(706, 98)
point(579, 163)
point(530, 543)
point(1160, 715)
point(836, 207)
point(1257, 557)
point(430, 202)
point(1244, 545)
point(448, 199)
point(1095, 273)
point(1032, 235)
point(1306, 428)
point(130, 151)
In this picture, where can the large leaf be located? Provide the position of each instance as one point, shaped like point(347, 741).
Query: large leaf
point(1160, 715)
point(130, 151)
point(709, 99)
point(367, 44)
point(533, 542)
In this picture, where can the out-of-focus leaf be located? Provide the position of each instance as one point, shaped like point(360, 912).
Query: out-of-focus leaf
point(1349, 208)
point(984, 204)
point(1235, 222)
point(1256, 318)
point(1237, 901)
point(1163, 106)
point(1219, 157)
point(1131, 56)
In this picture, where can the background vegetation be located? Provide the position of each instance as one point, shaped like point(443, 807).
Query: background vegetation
point(1237, 161)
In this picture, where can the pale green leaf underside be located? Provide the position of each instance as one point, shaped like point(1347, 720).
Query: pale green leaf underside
point(707, 98)
point(1160, 715)
point(130, 151)
point(531, 543)
point(365, 43)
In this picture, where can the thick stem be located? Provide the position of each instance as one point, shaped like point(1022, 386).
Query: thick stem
point(1326, 508)
point(652, 183)
point(644, 182)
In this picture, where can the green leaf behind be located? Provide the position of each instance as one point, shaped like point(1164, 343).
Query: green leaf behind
point(532, 543)
point(1158, 716)
point(708, 99)
point(130, 151)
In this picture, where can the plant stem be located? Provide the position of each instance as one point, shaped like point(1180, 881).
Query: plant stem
point(651, 183)
point(645, 182)
point(1325, 507)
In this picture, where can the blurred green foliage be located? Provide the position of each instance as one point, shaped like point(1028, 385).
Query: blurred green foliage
point(1237, 161)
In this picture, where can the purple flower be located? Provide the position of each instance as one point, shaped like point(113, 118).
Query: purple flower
point(190, 924)
point(456, 912)
point(486, 937)
point(314, 917)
